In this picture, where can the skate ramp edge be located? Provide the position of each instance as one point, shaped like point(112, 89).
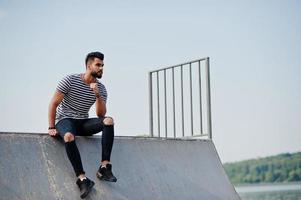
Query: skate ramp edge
point(35, 166)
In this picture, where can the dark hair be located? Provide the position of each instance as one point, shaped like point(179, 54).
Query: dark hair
point(93, 55)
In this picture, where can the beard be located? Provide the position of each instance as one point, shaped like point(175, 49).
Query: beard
point(96, 74)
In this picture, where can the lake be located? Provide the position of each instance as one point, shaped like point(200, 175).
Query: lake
point(283, 191)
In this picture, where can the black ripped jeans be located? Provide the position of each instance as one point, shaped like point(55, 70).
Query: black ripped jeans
point(85, 127)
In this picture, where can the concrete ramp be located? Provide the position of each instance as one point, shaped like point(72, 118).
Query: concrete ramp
point(36, 166)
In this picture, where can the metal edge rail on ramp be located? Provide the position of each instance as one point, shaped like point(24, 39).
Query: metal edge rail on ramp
point(35, 166)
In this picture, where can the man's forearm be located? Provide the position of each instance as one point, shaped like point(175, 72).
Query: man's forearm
point(54, 103)
point(51, 115)
point(100, 107)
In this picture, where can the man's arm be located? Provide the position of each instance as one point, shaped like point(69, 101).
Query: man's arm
point(55, 101)
point(100, 107)
point(100, 104)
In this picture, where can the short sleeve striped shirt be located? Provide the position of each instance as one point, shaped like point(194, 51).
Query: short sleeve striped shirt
point(78, 98)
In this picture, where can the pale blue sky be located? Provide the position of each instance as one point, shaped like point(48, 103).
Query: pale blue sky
point(254, 46)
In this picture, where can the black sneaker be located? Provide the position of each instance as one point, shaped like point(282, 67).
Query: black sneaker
point(84, 186)
point(105, 173)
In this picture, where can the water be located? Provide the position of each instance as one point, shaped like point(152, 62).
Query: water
point(285, 191)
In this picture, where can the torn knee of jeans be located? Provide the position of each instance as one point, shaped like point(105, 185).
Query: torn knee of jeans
point(108, 121)
point(68, 137)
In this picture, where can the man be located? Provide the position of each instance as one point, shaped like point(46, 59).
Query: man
point(68, 117)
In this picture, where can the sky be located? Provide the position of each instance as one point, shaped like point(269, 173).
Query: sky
point(254, 49)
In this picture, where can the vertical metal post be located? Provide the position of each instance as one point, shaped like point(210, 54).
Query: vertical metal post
point(150, 85)
point(173, 102)
point(165, 103)
point(158, 99)
point(200, 96)
point(191, 100)
point(182, 101)
point(208, 99)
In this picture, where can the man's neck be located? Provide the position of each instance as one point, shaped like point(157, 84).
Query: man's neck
point(88, 78)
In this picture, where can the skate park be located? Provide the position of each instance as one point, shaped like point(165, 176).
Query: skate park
point(177, 160)
point(178, 132)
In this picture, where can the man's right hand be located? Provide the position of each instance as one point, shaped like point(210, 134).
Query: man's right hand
point(52, 132)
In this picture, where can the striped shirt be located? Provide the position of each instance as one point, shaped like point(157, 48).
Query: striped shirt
point(78, 98)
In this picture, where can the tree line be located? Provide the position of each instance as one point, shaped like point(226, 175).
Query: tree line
point(280, 168)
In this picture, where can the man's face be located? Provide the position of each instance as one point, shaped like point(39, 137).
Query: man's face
point(96, 67)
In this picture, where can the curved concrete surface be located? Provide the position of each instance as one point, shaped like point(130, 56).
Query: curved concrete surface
point(35, 166)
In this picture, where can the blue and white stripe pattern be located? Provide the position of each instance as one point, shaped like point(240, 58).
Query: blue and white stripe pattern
point(78, 97)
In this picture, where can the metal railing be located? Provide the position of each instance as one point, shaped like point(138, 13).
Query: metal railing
point(186, 100)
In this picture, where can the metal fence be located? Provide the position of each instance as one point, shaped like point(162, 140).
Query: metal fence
point(179, 100)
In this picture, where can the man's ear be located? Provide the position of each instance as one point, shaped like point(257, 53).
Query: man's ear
point(88, 66)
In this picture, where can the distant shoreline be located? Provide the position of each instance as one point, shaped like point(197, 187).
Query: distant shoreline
point(282, 168)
